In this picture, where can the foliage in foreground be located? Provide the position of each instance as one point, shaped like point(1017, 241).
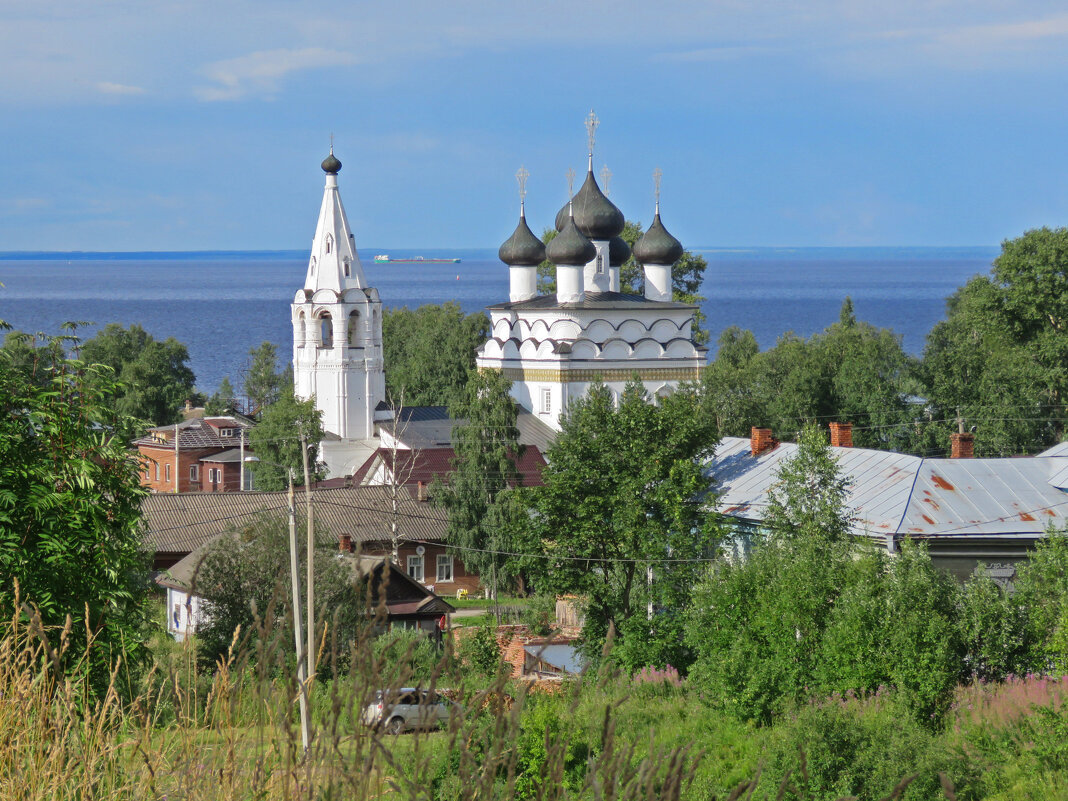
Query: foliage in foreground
point(233, 733)
point(70, 498)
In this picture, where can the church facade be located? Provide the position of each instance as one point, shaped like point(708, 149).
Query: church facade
point(554, 346)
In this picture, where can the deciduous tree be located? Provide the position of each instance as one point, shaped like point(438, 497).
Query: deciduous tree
point(430, 352)
point(70, 496)
point(275, 441)
point(625, 494)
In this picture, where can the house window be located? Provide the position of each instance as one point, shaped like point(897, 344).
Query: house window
point(215, 475)
point(444, 568)
point(226, 432)
point(415, 567)
point(546, 401)
point(157, 470)
point(194, 472)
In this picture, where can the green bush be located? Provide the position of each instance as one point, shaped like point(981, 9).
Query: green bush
point(479, 651)
point(854, 747)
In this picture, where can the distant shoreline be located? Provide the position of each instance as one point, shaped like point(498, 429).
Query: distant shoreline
point(710, 252)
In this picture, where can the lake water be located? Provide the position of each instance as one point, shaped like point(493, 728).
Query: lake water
point(223, 304)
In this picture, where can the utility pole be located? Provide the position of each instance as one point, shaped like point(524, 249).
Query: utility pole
point(298, 634)
point(176, 457)
point(311, 555)
point(241, 479)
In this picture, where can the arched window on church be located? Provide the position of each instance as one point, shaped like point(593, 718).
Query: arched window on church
point(313, 265)
point(664, 392)
point(347, 267)
point(326, 331)
point(329, 243)
point(354, 329)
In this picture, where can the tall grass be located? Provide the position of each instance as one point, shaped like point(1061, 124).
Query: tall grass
point(235, 734)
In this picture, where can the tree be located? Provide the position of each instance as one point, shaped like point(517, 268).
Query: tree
point(851, 372)
point(275, 441)
point(70, 496)
point(756, 625)
point(244, 578)
point(625, 493)
point(486, 445)
point(264, 385)
point(808, 499)
point(223, 400)
point(430, 352)
point(686, 276)
point(154, 378)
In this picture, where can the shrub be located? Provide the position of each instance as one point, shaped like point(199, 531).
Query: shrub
point(480, 651)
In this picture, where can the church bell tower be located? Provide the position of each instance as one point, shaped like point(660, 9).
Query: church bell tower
point(337, 335)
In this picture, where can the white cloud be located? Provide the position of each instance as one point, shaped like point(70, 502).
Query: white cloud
point(260, 72)
point(109, 88)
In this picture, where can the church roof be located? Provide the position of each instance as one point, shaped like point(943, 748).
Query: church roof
point(571, 247)
point(595, 215)
point(522, 248)
point(657, 246)
point(593, 300)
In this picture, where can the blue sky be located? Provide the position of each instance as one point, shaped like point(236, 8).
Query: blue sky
point(142, 124)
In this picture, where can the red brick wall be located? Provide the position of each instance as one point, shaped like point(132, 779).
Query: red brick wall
point(461, 579)
point(230, 481)
point(164, 457)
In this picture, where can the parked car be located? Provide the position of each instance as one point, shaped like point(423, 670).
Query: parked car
point(405, 709)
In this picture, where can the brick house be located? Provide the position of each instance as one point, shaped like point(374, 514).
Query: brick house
point(197, 455)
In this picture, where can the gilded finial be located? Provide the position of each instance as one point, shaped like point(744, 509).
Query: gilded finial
point(591, 128)
point(606, 177)
point(570, 182)
point(657, 175)
point(521, 176)
point(331, 143)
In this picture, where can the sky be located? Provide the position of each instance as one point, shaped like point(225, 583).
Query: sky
point(189, 125)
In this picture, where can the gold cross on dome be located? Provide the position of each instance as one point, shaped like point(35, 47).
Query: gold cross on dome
point(606, 178)
point(570, 182)
point(657, 175)
point(591, 128)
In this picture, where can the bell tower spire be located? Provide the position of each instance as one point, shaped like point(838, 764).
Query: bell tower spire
point(337, 334)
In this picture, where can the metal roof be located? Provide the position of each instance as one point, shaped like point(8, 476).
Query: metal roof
point(182, 522)
point(897, 494)
point(1060, 449)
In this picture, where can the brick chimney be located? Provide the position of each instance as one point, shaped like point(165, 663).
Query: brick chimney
point(345, 544)
point(962, 446)
point(420, 491)
point(761, 440)
point(841, 435)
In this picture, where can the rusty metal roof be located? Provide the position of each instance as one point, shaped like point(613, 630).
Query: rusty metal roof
point(182, 522)
point(897, 494)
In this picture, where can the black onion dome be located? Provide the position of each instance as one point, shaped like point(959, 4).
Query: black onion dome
point(657, 246)
point(522, 248)
point(595, 215)
point(331, 166)
point(570, 247)
point(618, 251)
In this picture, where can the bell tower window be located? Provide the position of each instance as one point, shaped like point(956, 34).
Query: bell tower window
point(354, 329)
point(346, 265)
point(329, 243)
point(326, 331)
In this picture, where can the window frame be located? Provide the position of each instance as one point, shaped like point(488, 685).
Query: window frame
point(443, 560)
point(416, 561)
point(167, 473)
point(194, 472)
point(546, 400)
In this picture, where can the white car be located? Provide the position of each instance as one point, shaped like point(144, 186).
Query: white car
point(405, 709)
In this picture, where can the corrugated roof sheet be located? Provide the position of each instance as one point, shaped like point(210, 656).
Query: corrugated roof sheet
point(894, 493)
point(431, 427)
point(181, 523)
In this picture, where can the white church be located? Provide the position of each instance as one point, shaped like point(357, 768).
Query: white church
point(551, 346)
